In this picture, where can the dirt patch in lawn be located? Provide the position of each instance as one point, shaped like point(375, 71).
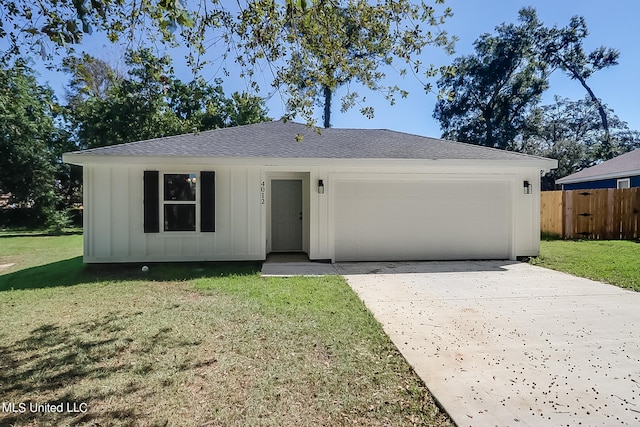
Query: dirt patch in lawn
point(6, 266)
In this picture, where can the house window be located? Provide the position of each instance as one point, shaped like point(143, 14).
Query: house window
point(624, 183)
point(180, 202)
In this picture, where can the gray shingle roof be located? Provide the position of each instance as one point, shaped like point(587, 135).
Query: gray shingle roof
point(278, 140)
point(621, 166)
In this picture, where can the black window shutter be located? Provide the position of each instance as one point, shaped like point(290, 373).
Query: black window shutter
point(207, 201)
point(151, 202)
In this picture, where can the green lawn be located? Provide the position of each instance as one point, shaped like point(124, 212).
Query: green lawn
point(193, 344)
point(611, 261)
point(37, 261)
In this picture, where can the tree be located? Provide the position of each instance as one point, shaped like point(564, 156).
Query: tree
point(149, 102)
point(50, 25)
point(340, 44)
point(202, 106)
point(494, 89)
point(29, 141)
point(332, 42)
point(563, 48)
point(245, 109)
point(491, 92)
point(130, 109)
point(90, 77)
point(572, 133)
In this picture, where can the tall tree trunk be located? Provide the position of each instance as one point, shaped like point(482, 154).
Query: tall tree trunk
point(487, 114)
point(327, 106)
point(601, 111)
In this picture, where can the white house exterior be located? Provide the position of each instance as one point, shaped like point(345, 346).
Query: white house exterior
point(340, 195)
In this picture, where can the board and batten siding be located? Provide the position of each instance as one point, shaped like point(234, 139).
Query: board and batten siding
point(114, 230)
point(113, 216)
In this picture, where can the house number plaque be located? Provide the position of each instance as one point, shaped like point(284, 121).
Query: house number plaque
point(262, 190)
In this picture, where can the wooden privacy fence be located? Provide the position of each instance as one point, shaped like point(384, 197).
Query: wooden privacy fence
point(608, 214)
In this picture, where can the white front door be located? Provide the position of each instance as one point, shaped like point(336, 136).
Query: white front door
point(286, 215)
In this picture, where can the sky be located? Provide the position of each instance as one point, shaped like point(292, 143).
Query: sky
point(611, 24)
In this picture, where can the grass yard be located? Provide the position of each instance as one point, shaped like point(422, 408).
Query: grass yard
point(192, 345)
point(611, 261)
point(26, 252)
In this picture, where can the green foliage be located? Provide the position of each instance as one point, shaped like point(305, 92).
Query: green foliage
point(572, 133)
point(202, 106)
point(52, 25)
point(563, 48)
point(90, 77)
point(245, 109)
point(148, 102)
point(58, 221)
point(331, 43)
point(104, 108)
point(492, 91)
point(325, 45)
point(29, 140)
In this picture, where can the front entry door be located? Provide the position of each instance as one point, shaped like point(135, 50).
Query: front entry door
point(286, 215)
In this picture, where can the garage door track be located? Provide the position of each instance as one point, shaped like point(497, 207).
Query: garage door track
point(506, 343)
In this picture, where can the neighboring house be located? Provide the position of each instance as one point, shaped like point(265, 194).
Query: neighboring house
point(620, 172)
point(341, 195)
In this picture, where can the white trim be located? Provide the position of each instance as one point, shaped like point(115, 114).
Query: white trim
point(87, 212)
point(623, 180)
point(622, 174)
point(164, 202)
point(86, 159)
point(306, 223)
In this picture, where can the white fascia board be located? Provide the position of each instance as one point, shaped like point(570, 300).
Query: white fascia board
point(623, 174)
point(87, 159)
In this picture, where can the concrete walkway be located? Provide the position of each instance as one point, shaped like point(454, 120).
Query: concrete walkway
point(295, 264)
point(508, 344)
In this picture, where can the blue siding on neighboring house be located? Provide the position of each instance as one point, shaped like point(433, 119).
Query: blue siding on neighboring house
point(603, 183)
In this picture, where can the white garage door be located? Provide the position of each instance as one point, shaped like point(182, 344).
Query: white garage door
point(417, 220)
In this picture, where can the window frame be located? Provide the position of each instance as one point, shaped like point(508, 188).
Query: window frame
point(153, 203)
point(163, 203)
point(623, 180)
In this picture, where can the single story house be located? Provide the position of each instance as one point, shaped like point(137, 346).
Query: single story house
point(337, 194)
point(620, 172)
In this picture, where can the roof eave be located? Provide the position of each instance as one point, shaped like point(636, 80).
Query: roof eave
point(622, 174)
point(80, 158)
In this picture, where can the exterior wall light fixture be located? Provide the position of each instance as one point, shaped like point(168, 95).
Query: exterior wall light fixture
point(527, 187)
point(320, 187)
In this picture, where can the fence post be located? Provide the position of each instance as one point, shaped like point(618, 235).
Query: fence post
point(593, 214)
point(568, 214)
point(563, 215)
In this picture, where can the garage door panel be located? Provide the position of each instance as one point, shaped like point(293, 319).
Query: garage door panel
point(422, 220)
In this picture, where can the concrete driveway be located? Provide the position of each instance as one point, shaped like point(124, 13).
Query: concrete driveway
point(506, 343)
